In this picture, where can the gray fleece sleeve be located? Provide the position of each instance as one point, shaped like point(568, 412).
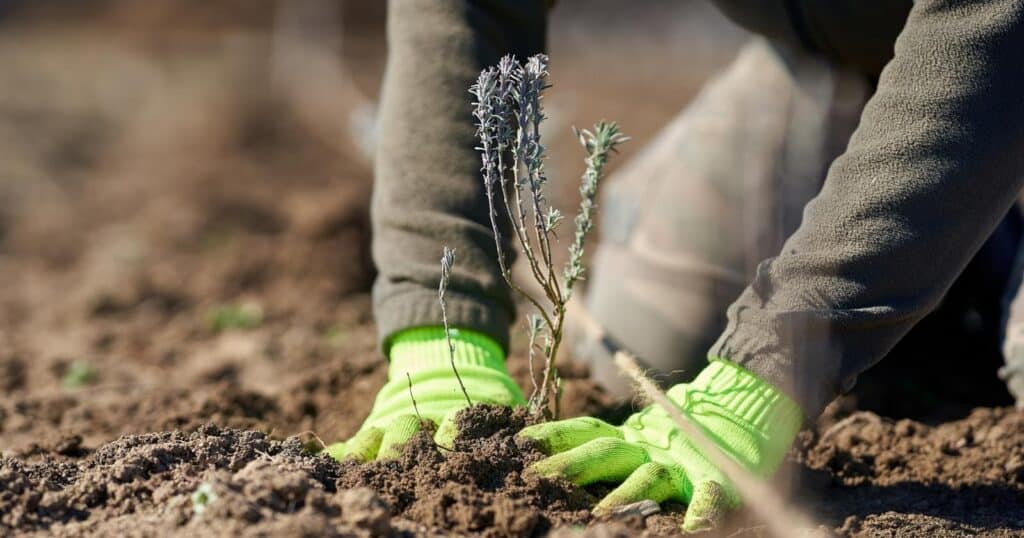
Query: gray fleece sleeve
point(934, 165)
point(427, 192)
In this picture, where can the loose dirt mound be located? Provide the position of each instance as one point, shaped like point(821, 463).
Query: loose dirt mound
point(482, 487)
point(147, 484)
point(477, 487)
point(904, 478)
point(218, 481)
point(865, 476)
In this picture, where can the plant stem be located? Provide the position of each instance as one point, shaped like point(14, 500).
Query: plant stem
point(508, 112)
point(447, 260)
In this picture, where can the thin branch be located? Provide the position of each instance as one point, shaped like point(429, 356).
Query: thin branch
point(484, 91)
point(535, 325)
point(598, 145)
point(552, 353)
point(520, 229)
point(510, 74)
point(413, 398)
point(559, 386)
point(420, 417)
point(447, 260)
point(529, 117)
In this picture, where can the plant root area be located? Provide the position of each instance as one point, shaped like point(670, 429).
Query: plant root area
point(185, 317)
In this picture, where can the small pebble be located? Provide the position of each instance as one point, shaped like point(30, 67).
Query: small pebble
point(643, 509)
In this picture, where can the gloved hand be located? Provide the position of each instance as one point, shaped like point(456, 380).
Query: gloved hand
point(748, 419)
point(423, 354)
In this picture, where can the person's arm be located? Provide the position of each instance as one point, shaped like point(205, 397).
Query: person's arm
point(428, 193)
point(934, 165)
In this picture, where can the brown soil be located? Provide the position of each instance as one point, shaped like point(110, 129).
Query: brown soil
point(478, 487)
point(883, 477)
point(144, 485)
point(864, 476)
point(157, 180)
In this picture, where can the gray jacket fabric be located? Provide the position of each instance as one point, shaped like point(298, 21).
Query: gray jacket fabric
point(427, 192)
point(856, 34)
point(934, 165)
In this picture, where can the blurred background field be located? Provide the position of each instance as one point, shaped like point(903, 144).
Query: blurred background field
point(184, 190)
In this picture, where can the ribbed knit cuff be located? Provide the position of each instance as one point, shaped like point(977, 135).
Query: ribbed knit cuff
point(744, 395)
point(426, 348)
point(416, 307)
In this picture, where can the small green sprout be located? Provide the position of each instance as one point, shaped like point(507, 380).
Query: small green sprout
point(202, 497)
point(79, 374)
point(235, 316)
point(335, 336)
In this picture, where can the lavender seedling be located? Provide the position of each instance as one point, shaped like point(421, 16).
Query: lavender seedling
point(508, 114)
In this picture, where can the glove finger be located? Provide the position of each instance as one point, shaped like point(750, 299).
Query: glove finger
point(608, 459)
point(362, 447)
point(652, 481)
point(397, 435)
point(335, 450)
point(447, 430)
point(707, 507)
point(556, 437)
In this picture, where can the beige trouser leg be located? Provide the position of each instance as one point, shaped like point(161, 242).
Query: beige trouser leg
point(685, 224)
point(1013, 336)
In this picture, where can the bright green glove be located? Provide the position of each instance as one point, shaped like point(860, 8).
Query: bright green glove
point(423, 354)
point(748, 419)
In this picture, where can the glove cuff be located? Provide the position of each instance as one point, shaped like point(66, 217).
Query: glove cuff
point(746, 397)
point(426, 348)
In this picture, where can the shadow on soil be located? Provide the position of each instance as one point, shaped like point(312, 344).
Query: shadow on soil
point(978, 506)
